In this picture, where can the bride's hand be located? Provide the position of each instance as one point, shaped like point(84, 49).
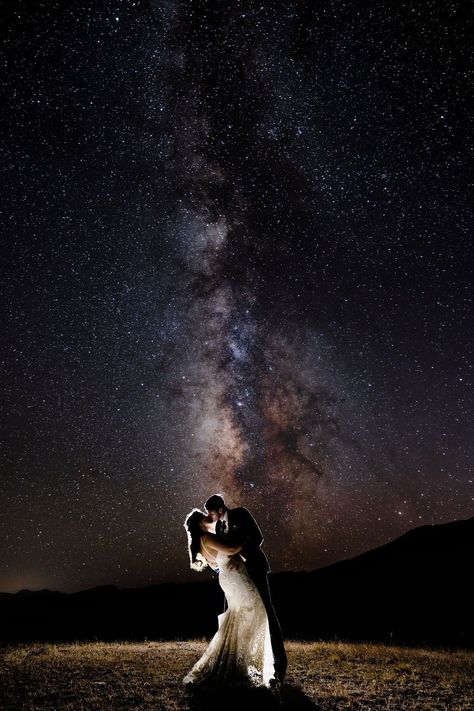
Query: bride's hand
point(234, 561)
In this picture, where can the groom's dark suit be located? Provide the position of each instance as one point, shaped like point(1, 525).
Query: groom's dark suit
point(244, 528)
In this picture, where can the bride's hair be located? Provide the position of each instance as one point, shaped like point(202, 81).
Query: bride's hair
point(193, 529)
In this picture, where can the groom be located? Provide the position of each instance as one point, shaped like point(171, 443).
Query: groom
point(238, 525)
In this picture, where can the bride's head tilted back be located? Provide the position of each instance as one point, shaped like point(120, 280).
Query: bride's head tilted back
point(195, 529)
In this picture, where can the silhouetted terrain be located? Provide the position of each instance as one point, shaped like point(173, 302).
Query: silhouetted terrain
point(413, 590)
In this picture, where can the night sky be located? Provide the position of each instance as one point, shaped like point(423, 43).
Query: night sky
point(236, 260)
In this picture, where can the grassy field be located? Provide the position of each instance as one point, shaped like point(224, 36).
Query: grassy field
point(144, 676)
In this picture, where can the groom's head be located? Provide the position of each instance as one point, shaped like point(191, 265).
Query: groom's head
point(215, 507)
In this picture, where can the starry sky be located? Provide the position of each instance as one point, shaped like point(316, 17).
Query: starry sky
point(235, 260)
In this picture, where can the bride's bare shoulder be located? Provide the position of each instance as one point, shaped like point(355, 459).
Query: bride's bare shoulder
point(207, 539)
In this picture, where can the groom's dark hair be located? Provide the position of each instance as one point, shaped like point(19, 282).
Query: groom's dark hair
point(214, 503)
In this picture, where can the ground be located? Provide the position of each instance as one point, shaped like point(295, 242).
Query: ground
point(144, 676)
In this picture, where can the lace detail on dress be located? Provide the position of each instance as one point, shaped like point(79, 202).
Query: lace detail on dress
point(241, 649)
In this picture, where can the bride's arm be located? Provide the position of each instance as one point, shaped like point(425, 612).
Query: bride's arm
point(214, 542)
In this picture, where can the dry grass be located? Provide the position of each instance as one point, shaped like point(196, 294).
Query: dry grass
point(145, 676)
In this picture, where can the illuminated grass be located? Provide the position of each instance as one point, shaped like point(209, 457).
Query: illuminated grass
point(146, 676)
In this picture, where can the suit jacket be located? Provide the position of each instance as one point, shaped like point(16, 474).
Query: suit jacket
point(242, 526)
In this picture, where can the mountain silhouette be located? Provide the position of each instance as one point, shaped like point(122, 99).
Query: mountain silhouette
point(412, 590)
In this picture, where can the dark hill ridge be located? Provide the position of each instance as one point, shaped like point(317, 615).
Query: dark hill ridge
point(415, 589)
point(425, 546)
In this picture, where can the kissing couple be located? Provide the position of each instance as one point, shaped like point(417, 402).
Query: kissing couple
point(248, 645)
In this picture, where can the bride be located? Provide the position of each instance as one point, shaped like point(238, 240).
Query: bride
point(241, 649)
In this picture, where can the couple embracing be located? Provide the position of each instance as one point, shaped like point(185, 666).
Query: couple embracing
point(248, 645)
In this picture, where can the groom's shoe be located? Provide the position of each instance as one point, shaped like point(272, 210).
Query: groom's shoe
point(275, 683)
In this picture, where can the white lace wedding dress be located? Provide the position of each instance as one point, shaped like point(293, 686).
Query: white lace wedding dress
point(241, 649)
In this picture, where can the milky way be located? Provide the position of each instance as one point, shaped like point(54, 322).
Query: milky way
point(238, 262)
